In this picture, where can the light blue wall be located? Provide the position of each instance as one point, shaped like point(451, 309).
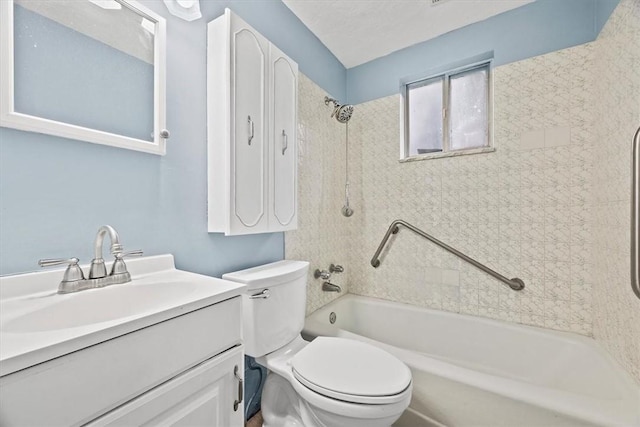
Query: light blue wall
point(604, 9)
point(537, 28)
point(55, 193)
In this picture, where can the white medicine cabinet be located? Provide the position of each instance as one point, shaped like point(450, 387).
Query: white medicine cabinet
point(84, 69)
point(252, 91)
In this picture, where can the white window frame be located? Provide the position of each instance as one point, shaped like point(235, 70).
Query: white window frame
point(451, 71)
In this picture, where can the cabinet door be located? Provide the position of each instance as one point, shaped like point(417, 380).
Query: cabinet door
point(284, 149)
point(202, 396)
point(249, 60)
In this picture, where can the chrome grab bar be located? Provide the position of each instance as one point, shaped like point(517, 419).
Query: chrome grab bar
point(635, 213)
point(515, 283)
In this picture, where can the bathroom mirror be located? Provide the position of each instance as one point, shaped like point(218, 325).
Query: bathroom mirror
point(91, 70)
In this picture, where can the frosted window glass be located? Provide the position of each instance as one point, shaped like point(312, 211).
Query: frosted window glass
point(469, 109)
point(425, 117)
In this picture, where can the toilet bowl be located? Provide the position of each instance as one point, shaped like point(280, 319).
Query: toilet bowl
point(324, 383)
point(369, 387)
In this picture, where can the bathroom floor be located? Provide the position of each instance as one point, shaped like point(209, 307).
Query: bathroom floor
point(408, 419)
point(255, 421)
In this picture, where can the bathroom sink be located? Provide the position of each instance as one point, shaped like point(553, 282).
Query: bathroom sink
point(97, 306)
point(38, 324)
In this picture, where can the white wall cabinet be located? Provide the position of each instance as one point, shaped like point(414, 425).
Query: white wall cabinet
point(252, 91)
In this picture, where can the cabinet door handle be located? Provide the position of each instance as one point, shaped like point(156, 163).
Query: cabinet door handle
point(237, 403)
point(285, 142)
point(251, 129)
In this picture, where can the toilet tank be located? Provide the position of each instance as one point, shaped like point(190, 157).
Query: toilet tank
point(273, 304)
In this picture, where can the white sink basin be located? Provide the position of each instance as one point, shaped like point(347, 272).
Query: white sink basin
point(38, 324)
point(97, 305)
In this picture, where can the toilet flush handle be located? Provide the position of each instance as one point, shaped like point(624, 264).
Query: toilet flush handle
point(264, 294)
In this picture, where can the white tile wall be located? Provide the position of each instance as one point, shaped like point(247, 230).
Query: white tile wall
point(616, 312)
point(513, 210)
point(322, 231)
point(550, 206)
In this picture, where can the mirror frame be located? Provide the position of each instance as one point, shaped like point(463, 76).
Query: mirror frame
point(12, 119)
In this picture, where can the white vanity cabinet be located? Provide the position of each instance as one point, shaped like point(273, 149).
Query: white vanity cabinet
point(182, 371)
point(252, 90)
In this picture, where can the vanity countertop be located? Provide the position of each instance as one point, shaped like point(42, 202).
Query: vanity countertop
point(38, 324)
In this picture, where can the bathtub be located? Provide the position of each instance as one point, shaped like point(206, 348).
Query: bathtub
point(471, 371)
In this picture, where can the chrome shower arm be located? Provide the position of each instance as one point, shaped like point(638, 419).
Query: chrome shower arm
point(327, 100)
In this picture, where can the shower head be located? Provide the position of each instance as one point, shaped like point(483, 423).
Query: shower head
point(342, 113)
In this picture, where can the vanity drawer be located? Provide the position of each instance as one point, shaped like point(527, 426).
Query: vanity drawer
point(202, 396)
point(78, 387)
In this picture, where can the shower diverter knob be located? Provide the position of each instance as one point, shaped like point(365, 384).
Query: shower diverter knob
point(336, 268)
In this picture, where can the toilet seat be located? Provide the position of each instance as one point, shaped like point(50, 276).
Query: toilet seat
point(351, 371)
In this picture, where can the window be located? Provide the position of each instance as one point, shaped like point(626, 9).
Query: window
point(448, 112)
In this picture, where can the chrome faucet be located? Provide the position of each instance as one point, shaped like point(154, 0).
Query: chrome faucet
point(74, 279)
point(98, 269)
point(325, 275)
point(330, 287)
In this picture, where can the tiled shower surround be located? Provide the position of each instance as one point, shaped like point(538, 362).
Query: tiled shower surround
point(322, 231)
point(521, 210)
point(550, 205)
point(616, 313)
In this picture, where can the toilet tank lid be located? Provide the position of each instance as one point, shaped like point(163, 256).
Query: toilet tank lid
point(275, 273)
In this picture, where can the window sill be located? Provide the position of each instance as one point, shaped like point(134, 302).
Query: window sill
point(441, 154)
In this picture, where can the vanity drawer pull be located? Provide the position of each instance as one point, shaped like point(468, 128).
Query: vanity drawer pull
point(240, 389)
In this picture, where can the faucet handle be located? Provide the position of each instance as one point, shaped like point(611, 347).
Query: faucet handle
point(336, 268)
point(50, 262)
point(73, 272)
point(136, 252)
point(119, 267)
point(321, 274)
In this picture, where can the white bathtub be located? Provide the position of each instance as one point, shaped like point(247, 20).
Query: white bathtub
point(470, 371)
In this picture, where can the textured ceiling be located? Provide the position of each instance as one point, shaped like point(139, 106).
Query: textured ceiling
point(358, 31)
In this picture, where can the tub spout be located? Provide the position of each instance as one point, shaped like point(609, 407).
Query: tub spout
point(330, 287)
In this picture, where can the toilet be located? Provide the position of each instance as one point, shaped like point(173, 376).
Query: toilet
point(324, 383)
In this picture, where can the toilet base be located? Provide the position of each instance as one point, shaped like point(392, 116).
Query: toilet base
point(283, 407)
